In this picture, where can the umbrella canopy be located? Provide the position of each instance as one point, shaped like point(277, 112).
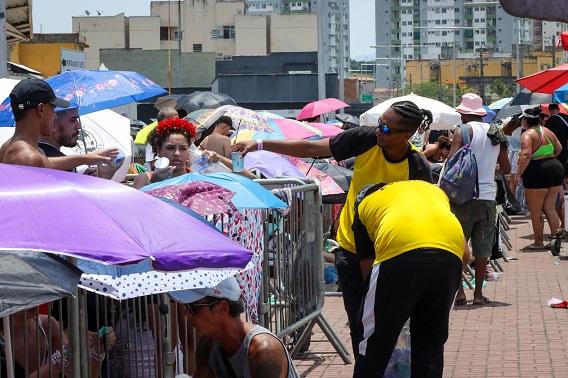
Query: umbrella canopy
point(327, 130)
point(328, 185)
point(28, 279)
point(202, 197)
point(142, 135)
point(272, 165)
point(490, 116)
point(523, 100)
point(347, 118)
point(203, 100)
point(546, 81)
point(560, 95)
point(248, 194)
point(167, 101)
point(316, 108)
point(65, 213)
point(444, 117)
point(102, 129)
point(91, 91)
point(499, 104)
point(131, 281)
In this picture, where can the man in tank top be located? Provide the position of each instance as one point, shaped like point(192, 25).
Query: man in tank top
point(230, 346)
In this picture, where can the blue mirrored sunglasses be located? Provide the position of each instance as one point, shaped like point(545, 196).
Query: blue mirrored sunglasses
point(384, 128)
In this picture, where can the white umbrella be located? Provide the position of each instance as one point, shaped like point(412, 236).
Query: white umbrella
point(105, 129)
point(102, 129)
point(444, 117)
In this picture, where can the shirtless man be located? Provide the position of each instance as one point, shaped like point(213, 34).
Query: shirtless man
point(33, 103)
point(219, 140)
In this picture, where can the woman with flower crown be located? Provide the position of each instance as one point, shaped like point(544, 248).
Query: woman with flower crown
point(172, 139)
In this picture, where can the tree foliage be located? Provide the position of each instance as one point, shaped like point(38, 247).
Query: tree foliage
point(441, 92)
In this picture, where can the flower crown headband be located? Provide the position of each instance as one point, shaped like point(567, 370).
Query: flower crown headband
point(175, 124)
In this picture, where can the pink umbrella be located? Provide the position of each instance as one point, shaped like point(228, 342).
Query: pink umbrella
point(327, 130)
point(316, 108)
point(328, 185)
point(202, 197)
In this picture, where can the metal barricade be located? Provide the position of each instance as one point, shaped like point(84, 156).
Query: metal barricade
point(292, 295)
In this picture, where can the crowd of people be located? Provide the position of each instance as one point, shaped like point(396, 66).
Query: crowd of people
point(402, 244)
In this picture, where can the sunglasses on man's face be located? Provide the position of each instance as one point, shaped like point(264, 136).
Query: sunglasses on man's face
point(386, 129)
point(193, 308)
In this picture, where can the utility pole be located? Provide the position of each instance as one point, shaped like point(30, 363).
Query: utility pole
point(519, 60)
point(341, 54)
point(481, 75)
point(3, 41)
point(321, 49)
point(553, 51)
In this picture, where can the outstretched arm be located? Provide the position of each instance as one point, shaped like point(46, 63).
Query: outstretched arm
point(293, 147)
point(66, 163)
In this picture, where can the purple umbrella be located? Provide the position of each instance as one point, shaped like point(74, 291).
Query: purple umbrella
point(272, 165)
point(94, 219)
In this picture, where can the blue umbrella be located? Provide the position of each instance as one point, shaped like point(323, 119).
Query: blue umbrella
point(499, 104)
point(561, 94)
point(91, 91)
point(248, 194)
point(490, 116)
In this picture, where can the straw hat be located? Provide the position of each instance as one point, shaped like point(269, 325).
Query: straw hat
point(471, 104)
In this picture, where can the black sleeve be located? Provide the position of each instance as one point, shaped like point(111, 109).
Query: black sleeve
point(352, 142)
point(419, 167)
point(363, 243)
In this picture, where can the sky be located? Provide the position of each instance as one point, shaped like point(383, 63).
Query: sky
point(54, 16)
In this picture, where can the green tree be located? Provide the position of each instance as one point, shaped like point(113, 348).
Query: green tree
point(437, 91)
point(501, 89)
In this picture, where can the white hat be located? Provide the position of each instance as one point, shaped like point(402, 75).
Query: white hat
point(227, 289)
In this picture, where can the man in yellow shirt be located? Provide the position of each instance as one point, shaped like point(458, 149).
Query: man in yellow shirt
point(413, 245)
point(382, 154)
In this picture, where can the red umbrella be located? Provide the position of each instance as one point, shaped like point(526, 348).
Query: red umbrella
point(546, 81)
point(316, 108)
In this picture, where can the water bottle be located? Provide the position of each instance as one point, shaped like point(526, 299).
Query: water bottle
point(119, 158)
point(200, 165)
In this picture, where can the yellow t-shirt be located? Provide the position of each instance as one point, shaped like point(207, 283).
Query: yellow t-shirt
point(371, 167)
point(404, 216)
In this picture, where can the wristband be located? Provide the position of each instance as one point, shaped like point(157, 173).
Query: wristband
point(259, 145)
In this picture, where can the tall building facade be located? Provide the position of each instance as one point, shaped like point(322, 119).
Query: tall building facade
point(436, 29)
point(336, 33)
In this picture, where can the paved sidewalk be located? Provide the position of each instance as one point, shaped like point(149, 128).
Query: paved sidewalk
point(517, 335)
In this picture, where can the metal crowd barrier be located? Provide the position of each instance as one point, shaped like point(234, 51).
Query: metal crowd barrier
point(293, 295)
point(153, 336)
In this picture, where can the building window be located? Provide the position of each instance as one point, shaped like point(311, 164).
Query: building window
point(168, 33)
point(197, 47)
point(228, 32)
point(444, 10)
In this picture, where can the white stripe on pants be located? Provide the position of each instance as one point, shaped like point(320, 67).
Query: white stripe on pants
point(369, 310)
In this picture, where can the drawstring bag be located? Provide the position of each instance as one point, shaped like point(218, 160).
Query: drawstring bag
point(460, 179)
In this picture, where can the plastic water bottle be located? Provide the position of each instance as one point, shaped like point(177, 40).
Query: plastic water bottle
point(200, 165)
point(119, 158)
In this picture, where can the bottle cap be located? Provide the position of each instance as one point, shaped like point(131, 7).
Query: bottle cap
point(162, 163)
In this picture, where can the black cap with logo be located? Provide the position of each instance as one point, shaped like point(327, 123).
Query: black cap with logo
point(29, 93)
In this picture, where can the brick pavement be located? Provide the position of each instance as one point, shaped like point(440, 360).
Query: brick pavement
point(517, 335)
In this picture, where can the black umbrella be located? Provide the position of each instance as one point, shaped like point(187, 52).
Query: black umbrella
point(29, 279)
point(347, 118)
point(525, 99)
point(202, 100)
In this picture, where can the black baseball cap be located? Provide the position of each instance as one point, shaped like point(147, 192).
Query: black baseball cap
point(29, 93)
